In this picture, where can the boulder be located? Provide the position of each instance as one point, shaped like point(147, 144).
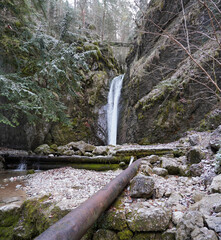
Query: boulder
point(217, 208)
point(189, 222)
point(141, 186)
point(171, 165)
point(195, 155)
point(216, 184)
point(113, 220)
point(81, 146)
point(194, 139)
point(174, 198)
point(160, 171)
point(153, 159)
point(207, 203)
point(215, 139)
point(148, 219)
point(101, 150)
point(103, 234)
point(146, 169)
point(196, 170)
point(203, 234)
point(214, 223)
point(43, 149)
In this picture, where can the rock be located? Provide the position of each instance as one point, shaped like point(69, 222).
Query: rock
point(177, 216)
point(216, 184)
point(153, 158)
point(147, 236)
point(214, 223)
point(171, 165)
point(206, 204)
point(195, 155)
point(43, 149)
point(174, 198)
point(215, 139)
point(217, 208)
point(81, 146)
point(149, 219)
point(141, 186)
point(113, 220)
point(125, 235)
point(160, 171)
point(196, 170)
point(103, 234)
point(69, 152)
point(203, 234)
point(194, 139)
point(101, 150)
point(9, 207)
point(190, 221)
point(146, 169)
point(169, 234)
point(11, 200)
point(2, 160)
point(197, 196)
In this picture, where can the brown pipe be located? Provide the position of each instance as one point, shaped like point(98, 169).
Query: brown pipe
point(75, 224)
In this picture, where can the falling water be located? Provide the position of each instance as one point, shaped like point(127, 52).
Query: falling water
point(112, 109)
point(22, 165)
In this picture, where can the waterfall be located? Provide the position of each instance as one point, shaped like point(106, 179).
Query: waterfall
point(112, 109)
point(22, 165)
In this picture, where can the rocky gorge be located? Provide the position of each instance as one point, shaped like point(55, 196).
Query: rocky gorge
point(175, 194)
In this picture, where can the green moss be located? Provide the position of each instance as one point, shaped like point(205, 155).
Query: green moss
point(125, 235)
point(31, 171)
point(96, 167)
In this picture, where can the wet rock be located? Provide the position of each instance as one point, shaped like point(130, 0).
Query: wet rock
point(195, 155)
point(160, 171)
point(203, 234)
point(149, 219)
point(142, 186)
point(196, 170)
point(171, 165)
point(103, 234)
point(194, 139)
point(43, 149)
point(215, 139)
point(206, 204)
point(101, 150)
point(214, 223)
point(216, 184)
point(190, 221)
point(113, 220)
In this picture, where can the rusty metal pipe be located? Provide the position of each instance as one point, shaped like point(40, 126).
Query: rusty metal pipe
point(75, 224)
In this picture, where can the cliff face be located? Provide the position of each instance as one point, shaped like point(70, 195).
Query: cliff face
point(167, 89)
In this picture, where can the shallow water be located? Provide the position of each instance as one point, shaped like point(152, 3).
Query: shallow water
point(8, 191)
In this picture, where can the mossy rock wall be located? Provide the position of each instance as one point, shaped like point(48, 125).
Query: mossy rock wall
point(165, 93)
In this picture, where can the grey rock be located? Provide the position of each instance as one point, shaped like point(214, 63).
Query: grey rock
point(203, 234)
point(171, 165)
point(217, 208)
point(196, 170)
point(194, 139)
point(177, 216)
point(160, 171)
point(81, 146)
point(214, 223)
point(142, 186)
point(43, 149)
point(174, 198)
point(101, 150)
point(215, 139)
point(190, 221)
point(153, 159)
point(103, 234)
point(195, 155)
point(149, 219)
point(197, 196)
point(9, 207)
point(206, 204)
point(216, 184)
point(146, 169)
